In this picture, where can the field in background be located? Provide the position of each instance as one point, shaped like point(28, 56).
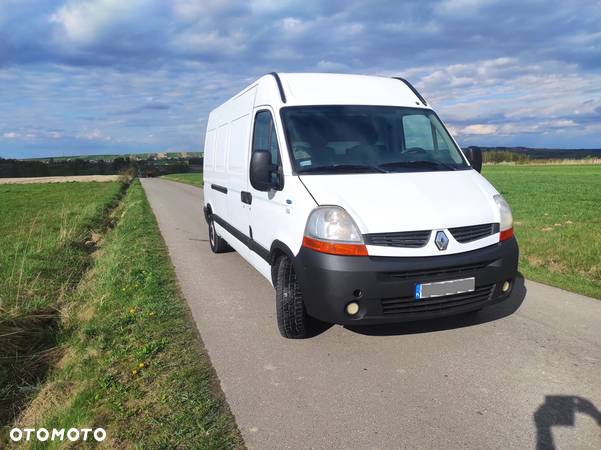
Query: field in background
point(557, 213)
point(543, 162)
point(195, 179)
point(62, 179)
point(43, 228)
point(110, 157)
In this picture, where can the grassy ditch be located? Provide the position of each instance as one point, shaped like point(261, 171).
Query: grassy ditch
point(132, 362)
point(47, 232)
point(195, 179)
point(557, 213)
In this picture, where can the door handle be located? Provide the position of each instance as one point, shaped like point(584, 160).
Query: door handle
point(246, 197)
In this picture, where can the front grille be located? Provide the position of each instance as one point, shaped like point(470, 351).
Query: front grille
point(454, 271)
point(417, 239)
point(410, 239)
point(474, 232)
point(407, 305)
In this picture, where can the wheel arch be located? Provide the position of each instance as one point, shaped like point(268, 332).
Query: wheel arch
point(278, 248)
point(207, 212)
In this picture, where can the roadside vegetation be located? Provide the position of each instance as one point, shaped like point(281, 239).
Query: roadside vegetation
point(43, 254)
point(127, 357)
point(557, 214)
point(193, 178)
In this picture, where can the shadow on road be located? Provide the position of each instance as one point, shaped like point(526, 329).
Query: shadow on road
point(560, 410)
point(495, 312)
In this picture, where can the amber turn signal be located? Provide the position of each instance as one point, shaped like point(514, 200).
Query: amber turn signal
point(335, 248)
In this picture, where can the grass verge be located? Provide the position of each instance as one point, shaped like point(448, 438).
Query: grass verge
point(557, 214)
point(47, 232)
point(195, 179)
point(132, 362)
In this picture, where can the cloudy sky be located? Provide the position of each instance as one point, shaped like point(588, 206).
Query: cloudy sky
point(104, 76)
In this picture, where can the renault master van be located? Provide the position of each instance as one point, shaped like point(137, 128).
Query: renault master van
point(350, 196)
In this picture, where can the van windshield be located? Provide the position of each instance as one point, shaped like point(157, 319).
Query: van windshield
point(368, 139)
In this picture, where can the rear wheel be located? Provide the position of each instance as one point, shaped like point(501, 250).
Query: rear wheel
point(218, 244)
point(293, 321)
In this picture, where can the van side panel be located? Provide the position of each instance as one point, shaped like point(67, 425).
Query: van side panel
point(226, 164)
point(209, 153)
point(237, 164)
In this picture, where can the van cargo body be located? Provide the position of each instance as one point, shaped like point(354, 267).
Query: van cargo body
point(350, 196)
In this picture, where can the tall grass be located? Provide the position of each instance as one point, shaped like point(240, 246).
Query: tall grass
point(43, 230)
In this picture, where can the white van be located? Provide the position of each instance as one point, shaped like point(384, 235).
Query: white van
point(350, 196)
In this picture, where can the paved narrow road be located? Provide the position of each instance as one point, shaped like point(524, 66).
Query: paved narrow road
point(508, 378)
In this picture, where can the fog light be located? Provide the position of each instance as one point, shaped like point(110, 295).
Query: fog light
point(506, 286)
point(352, 308)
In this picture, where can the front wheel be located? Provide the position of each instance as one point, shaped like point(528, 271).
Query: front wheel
point(293, 321)
point(218, 244)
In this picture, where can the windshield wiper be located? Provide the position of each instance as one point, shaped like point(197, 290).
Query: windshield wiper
point(426, 163)
point(337, 168)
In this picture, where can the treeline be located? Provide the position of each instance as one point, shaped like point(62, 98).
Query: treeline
point(524, 155)
point(498, 156)
point(16, 168)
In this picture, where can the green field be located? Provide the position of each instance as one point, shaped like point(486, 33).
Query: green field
point(120, 351)
point(43, 230)
point(557, 214)
point(195, 179)
point(39, 227)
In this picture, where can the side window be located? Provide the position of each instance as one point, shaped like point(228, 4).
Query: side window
point(264, 136)
point(417, 132)
point(273, 146)
point(442, 144)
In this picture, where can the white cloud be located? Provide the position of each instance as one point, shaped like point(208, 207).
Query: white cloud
point(293, 25)
point(331, 66)
point(198, 10)
point(460, 7)
point(198, 42)
point(479, 129)
point(10, 135)
point(82, 23)
point(93, 135)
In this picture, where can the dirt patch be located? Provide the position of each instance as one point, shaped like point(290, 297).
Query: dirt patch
point(535, 261)
point(101, 178)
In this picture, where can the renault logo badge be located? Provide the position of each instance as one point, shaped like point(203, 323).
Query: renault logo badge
point(441, 240)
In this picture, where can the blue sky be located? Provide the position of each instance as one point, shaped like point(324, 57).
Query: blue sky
point(104, 76)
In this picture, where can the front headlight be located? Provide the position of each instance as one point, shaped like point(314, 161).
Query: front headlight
point(506, 224)
point(330, 229)
point(332, 223)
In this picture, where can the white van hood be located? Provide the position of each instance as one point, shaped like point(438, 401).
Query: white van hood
point(392, 202)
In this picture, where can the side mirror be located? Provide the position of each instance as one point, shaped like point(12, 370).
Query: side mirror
point(474, 156)
point(260, 170)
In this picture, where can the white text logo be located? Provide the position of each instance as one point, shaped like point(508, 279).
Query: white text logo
point(44, 434)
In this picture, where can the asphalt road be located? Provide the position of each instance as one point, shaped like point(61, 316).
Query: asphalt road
point(525, 374)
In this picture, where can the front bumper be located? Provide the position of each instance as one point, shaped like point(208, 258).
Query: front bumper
point(384, 287)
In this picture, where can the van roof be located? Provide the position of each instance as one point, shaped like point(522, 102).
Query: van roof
point(338, 89)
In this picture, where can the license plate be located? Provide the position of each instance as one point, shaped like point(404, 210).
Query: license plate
point(442, 288)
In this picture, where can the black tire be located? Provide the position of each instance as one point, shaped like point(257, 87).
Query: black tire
point(293, 321)
point(218, 244)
